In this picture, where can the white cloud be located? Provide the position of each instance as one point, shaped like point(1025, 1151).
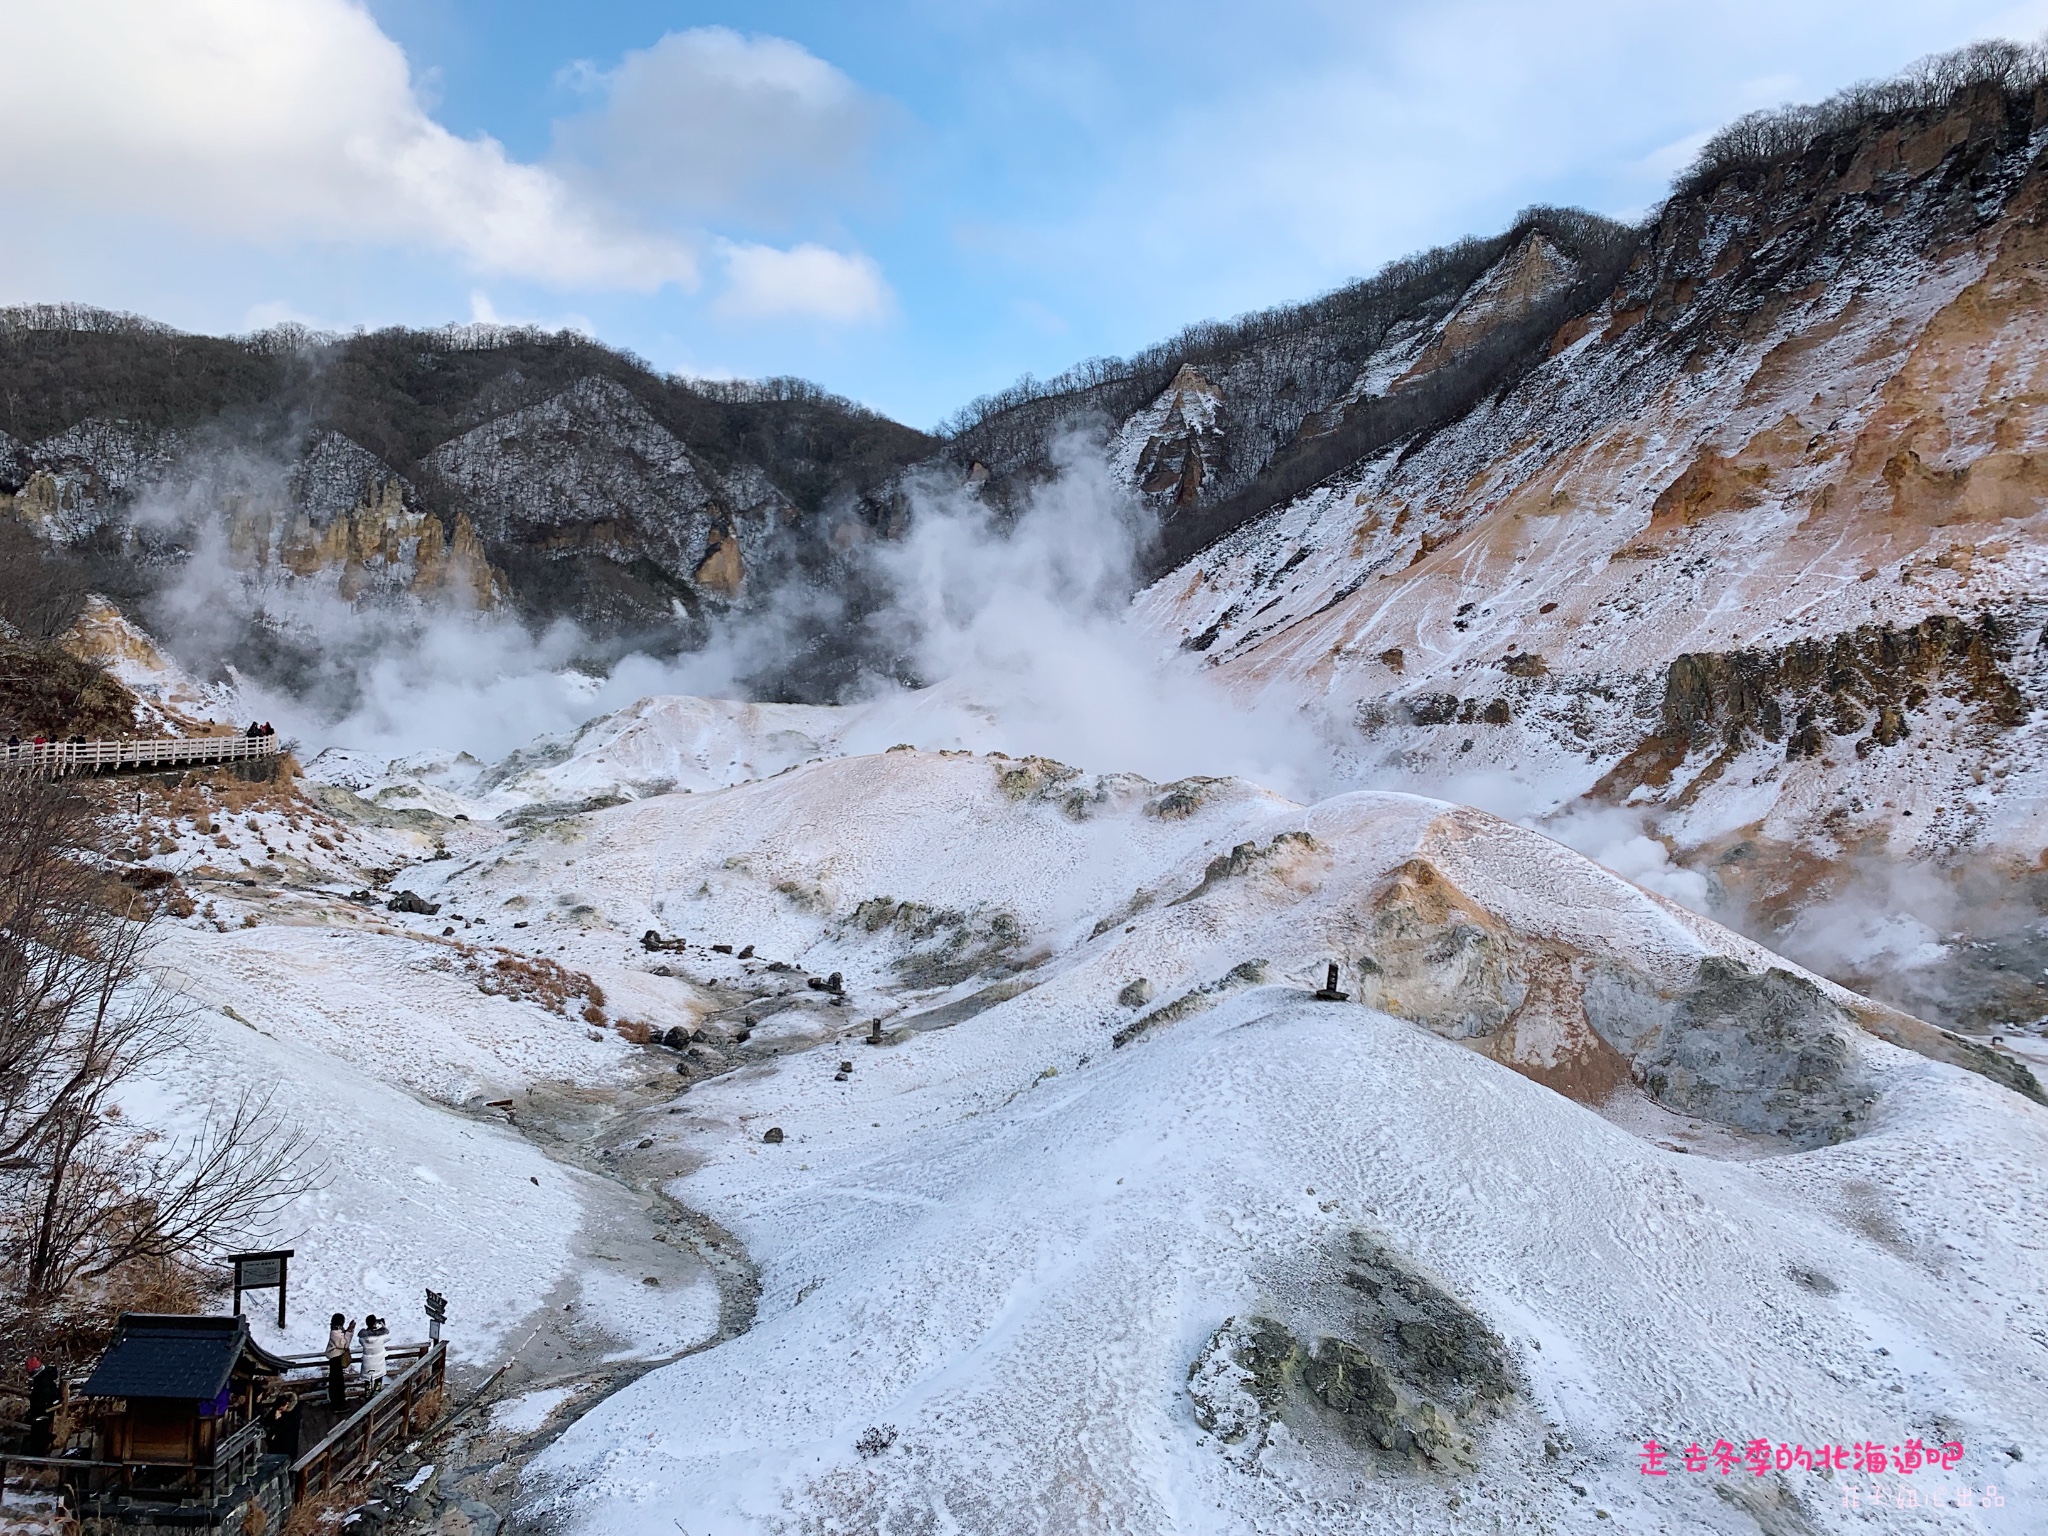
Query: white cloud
point(275, 312)
point(484, 311)
point(289, 123)
point(806, 281)
point(710, 122)
point(286, 121)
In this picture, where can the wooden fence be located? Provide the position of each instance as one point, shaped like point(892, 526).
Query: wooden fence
point(81, 1478)
point(61, 759)
point(392, 1415)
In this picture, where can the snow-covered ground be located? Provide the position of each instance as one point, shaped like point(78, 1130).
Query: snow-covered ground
point(1000, 1253)
point(387, 1044)
point(412, 1197)
point(1006, 1241)
point(1018, 1289)
point(656, 746)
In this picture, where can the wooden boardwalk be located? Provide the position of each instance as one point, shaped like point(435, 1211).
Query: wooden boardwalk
point(64, 759)
point(410, 1402)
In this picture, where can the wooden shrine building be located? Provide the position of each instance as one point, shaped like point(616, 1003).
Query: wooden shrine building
point(180, 1391)
point(189, 1422)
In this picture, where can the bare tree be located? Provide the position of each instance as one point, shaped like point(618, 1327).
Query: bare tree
point(107, 1203)
point(1759, 138)
point(81, 1194)
point(41, 590)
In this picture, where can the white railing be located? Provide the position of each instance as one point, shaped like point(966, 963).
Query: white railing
point(58, 759)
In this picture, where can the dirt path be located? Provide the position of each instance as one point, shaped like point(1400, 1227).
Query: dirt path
point(463, 1478)
point(574, 1350)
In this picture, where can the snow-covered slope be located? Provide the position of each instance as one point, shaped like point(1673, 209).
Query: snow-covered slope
point(1025, 1298)
point(385, 1044)
point(983, 1109)
point(684, 743)
point(1638, 1179)
point(655, 746)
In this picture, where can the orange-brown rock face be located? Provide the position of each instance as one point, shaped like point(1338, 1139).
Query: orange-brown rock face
point(1534, 271)
point(721, 570)
point(35, 503)
point(1178, 442)
point(1441, 959)
point(381, 544)
point(456, 568)
point(103, 635)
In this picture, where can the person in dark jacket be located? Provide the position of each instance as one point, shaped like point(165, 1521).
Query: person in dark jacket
point(45, 1390)
point(281, 1417)
point(341, 1338)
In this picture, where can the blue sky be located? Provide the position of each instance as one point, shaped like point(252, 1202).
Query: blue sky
point(910, 202)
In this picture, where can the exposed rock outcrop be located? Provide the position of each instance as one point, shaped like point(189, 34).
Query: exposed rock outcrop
point(722, 570)
point(1859, 688)
point(1372, 1348)
point(1755, 1049)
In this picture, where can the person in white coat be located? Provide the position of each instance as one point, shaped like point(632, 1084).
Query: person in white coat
point(376, 1344)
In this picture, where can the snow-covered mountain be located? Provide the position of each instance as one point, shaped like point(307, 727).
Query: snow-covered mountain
point(1748, 542)
point(820, 1122)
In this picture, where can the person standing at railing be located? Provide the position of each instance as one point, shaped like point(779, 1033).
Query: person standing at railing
point(340, 1340)
point(376, 1352)
point(281, 1418)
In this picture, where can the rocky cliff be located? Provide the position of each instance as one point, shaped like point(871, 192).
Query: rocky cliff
point(479, 466)
point(1227, 421)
